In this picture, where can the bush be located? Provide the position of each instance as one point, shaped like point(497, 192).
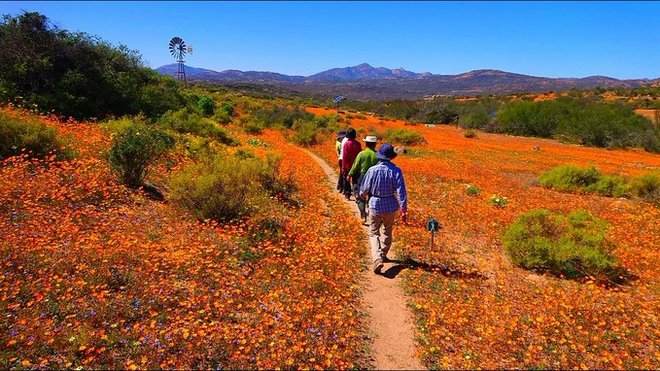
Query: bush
point(281, 116)
point(646, 186)
point(472, 190)
point(583, 121)
point(206, 105)
point(226, 188)
point(498, 201)
point(573, 245)
point(76, 74)
point(251, 124)
point(474, 120)
point(403, 136)
point(570, 178)
point(470, 134)
point(610, 185)
point(30, 135)
point(184, 121)
point(134, 150)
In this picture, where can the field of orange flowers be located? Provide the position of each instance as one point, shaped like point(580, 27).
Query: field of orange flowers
point(94, 275)
point(473, 308)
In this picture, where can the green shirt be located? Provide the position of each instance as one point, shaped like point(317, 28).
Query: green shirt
point(364, 160)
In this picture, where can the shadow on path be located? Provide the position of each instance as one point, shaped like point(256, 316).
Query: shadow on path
point(444, 269)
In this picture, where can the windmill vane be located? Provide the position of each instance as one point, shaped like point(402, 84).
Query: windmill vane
point(178, 50)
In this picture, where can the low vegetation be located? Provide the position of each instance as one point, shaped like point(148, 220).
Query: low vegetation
point(134, 150)
point(30, 136)
point(572, 245)
point(403, 136)
point(589, 179)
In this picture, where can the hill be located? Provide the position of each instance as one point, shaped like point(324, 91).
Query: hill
point(367, 82)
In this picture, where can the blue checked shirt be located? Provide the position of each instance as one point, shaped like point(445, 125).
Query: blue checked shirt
point(382, 183)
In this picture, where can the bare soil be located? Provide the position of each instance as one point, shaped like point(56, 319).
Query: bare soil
point(390, 322)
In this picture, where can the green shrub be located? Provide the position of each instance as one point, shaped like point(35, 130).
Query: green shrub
point(572, 245)
point(610, 185)
point(646, 186)
point(76, 74)
point(184, 121)
point(227, 108)
point(474, 120)
point(498, 201)
point(576, 120)
point(206, 105)
point(134, 150)
point(570, 178)
point(251, 124)
point(403, 136)
point(29, 135)
point(226, 188)
point(472, 190)
point(470, 134)
point(281, 116)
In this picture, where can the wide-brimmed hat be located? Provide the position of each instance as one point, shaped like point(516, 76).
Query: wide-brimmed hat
point(370, 139)
point(386, 152)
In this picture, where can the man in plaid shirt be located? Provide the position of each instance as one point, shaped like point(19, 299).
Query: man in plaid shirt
point(385, 189)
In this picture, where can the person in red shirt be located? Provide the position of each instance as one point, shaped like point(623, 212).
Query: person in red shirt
point(349, 152)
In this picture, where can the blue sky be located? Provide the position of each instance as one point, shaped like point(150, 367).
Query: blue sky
point(553, 39)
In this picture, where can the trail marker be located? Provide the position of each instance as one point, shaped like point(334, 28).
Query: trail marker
point(432, 226)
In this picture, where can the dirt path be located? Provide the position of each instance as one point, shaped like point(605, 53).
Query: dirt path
point(390, 321)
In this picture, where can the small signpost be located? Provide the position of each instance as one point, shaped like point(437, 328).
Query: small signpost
point(432, 226)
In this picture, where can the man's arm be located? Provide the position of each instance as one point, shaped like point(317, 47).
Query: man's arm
point(401, 193)
point(365, 188)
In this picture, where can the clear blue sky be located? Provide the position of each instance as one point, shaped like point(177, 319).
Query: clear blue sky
point(553, 39)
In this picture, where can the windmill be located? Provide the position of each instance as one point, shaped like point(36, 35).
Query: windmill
point(178, 50)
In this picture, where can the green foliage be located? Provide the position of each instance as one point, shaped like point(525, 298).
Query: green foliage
point(134, 150)
point(570, 178)
point(308, 132)
point(206, 105)
point(583, 121)
point(470, 134)
point(443, 116)
point(610, 185)
point(498, 201)
point(76, 74)
point(572, 245)
point(403, 136)
point(184, 121)
point(281, 116)
point(647, 186)
point(226, 188)
point(31, 136)
point(474, 120)
point(251, 124)
point(472, 190)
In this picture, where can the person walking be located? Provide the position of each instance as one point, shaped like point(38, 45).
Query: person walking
point(364, 160)
point(384, 188)
point(349, 152)
point(341, 135)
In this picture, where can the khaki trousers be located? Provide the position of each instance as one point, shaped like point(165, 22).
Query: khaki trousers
point(380, 246)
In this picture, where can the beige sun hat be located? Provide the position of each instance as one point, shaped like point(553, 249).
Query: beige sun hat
point(371, 139)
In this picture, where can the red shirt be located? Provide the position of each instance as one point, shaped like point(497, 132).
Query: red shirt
point(351, 149)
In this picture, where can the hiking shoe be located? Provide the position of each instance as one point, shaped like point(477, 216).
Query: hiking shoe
point(378, 265)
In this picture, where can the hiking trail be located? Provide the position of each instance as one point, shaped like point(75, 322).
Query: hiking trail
point(390, 322)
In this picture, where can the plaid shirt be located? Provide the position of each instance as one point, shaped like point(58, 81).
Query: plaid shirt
point(381, 183)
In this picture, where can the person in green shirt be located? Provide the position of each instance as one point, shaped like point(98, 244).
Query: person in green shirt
point(364, 160)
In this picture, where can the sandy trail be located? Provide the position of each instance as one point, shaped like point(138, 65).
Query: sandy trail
point(390, 321)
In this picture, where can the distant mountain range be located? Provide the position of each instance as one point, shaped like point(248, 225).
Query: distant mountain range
point(366, 82)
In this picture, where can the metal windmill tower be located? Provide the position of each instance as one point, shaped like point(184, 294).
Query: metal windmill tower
point(178, 50)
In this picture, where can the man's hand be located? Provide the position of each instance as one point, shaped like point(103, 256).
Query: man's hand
point(404, 217)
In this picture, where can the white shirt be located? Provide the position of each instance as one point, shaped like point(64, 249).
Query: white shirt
point(341, 149)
